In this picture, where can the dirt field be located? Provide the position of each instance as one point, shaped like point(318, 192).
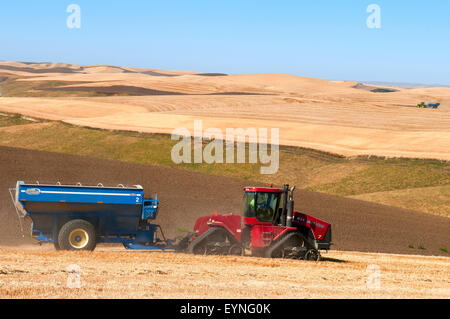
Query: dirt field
point(40, 272)
point(336, 116)
point(184, 196)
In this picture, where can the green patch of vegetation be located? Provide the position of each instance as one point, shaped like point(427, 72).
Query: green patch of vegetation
point(411, 246)
point(433, 199)
point(443, 249)
point(388, 176)
point(183, 229)
point(11, 120)
point(306, 168)
point(420, 247)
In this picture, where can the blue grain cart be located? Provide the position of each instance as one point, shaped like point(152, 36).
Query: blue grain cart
point(433, 105)
point(78, 217)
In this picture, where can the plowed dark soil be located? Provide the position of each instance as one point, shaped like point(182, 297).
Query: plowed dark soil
point(184, 196)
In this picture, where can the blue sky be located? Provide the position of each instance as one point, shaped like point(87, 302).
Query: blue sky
point(321, 38)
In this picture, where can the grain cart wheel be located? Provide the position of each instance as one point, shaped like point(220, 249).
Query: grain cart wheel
point(56, 244)
point(77, 234)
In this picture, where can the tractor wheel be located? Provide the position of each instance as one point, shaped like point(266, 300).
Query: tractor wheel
point(277, 253)
point(290, 246)
point(211, 242)
point(236, 250)
point(199, 245)
point(77, 234)
point(200, 249)
point(313, 255)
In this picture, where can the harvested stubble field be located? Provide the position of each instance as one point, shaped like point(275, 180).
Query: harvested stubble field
point(40, 272)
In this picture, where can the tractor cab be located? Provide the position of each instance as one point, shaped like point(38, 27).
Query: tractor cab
point(262, 205)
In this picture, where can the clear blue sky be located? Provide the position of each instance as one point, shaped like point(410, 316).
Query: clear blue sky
point(321, 38)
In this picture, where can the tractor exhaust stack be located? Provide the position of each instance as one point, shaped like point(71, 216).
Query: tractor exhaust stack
point(285, 199)
point(290, 209)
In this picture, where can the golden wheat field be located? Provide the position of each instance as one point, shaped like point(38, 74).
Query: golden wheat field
point(112, 272)
point(342, 117)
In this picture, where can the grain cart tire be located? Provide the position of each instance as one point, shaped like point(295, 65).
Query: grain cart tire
point(77, 234)
point(56, 244)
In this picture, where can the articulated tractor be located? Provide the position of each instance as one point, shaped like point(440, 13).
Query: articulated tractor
point(78, 217)
point(269, 228)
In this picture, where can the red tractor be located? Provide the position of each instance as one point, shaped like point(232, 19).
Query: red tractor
point(270, 228)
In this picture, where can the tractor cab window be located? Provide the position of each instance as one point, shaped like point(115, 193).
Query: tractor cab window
point(263, 206)
point(249, 204)
point(279, 209)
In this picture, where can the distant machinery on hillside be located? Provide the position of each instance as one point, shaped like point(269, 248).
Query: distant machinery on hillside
point(428, 105)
